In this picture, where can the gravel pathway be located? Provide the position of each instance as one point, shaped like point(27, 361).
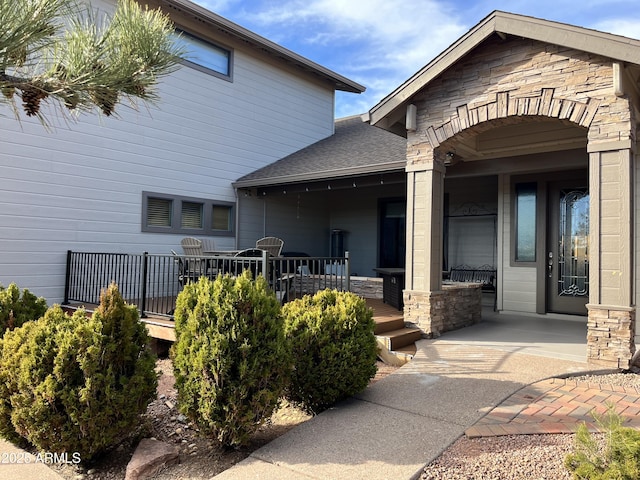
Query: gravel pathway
point(514, 457)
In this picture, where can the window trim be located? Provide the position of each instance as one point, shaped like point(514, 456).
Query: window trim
point(201, 68)
point(176, 215)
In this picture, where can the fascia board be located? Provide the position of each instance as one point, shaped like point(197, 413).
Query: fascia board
point(315, 176)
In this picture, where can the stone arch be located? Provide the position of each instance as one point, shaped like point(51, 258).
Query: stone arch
point(506, 106)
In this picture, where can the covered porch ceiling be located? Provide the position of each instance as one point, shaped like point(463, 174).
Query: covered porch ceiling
point(522, 136)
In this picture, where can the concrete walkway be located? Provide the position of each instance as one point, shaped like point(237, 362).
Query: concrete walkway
point(16, 464)
point(401, 423)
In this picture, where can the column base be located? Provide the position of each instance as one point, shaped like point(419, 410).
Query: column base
point(610, 336)
point(457, 305)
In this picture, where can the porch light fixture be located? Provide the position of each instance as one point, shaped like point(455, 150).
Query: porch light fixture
point(354, 184)
point(411, 121)
point(329, 187)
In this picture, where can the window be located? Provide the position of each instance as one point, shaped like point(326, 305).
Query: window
point(163, 213)
point(221, 217)
point(191, 215)
point(159, 212)
point(525, 222)
point(205, 56)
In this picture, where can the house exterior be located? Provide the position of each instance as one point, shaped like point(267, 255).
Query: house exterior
point(349, 188)
point(533, 122)
point(147, 178)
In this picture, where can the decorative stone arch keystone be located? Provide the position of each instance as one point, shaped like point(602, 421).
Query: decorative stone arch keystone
point(505, 106)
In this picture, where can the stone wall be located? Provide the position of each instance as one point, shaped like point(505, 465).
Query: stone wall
point(366, 287)
point(457, 305)
point(610, 334)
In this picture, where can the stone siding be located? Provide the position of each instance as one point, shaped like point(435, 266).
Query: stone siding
point(610, 334)
point(457, 305)
point(505, 80)
point(366, 287)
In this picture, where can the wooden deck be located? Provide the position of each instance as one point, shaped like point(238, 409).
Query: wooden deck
point(163, 328)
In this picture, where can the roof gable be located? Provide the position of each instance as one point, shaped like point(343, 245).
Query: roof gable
point(502, 23)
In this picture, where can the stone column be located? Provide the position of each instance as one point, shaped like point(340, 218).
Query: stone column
point(423, 297)
point(611, 315)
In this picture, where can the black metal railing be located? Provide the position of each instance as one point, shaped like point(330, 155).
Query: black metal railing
point(152, 282)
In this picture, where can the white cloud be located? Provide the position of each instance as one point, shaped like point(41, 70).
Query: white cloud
point(621, 26)
point(378, 43)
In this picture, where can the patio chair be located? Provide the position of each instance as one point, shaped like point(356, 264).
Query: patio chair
point(197, 267)
point(208, 245)
point(273, 245)
point(191, 246)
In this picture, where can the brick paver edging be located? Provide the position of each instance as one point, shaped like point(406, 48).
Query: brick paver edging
point(557, 405)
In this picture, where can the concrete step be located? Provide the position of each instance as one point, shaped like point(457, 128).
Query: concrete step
point(402, 337)
point(388, 324)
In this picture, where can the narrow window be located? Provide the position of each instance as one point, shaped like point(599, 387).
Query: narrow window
point(221, 217)
point(209, 57)
point(159, 212)
point(525, 222)
point(191, 215)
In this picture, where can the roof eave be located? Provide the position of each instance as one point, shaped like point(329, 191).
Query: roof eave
point(340, 82)
point(600, 43)
point(318, 176)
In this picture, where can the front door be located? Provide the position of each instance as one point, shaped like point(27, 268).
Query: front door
point(567, 258)
point(392, 233)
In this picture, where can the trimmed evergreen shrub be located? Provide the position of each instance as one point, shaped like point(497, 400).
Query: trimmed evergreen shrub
point(333, 346)
point(230, 358)
point(77, 383)
point(618, 458)
point(17, 308)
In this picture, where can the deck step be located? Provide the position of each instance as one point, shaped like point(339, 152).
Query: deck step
point(388, 324)
point(402, 337)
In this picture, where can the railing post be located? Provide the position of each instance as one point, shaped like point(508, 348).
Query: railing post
point(143, 300)
point(67, 280)
point(347, 270)
point(265, 264)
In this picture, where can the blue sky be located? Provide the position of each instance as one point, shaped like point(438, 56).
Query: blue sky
point(381, 43)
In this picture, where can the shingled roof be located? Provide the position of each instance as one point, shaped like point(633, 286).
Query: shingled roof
point(356, 148)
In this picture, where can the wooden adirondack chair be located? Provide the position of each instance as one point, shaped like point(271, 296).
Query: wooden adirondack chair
point(273, 245)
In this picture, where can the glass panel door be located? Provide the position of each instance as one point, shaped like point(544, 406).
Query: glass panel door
point(568, 255)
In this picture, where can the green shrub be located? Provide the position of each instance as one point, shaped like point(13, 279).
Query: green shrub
point(16, 308)
point(618, 458)
point(77, 383)
point(333, 347)
point(230, 357)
